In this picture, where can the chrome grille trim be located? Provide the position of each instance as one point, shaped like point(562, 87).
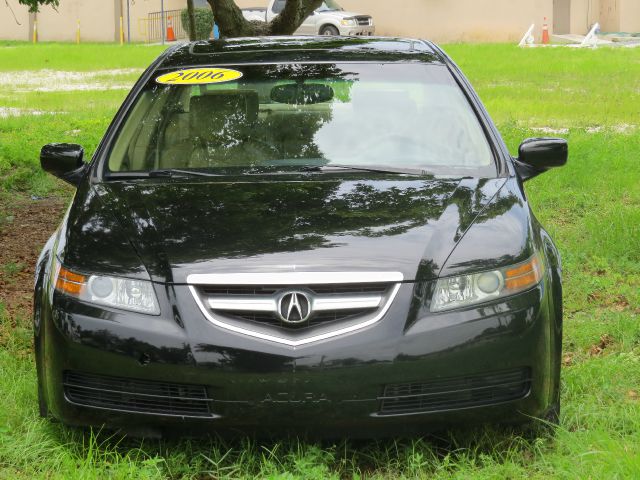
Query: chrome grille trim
point(383, 302)
point(294, 278)
point(243, 303)
point(321, 304)
point(318, 303)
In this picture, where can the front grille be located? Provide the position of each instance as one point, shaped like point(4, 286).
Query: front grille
point(271, 289)
point(363, 20)
point(319, 318)
point(455, 393)
point(238, 290)
point(259, 304)
point(140, 396)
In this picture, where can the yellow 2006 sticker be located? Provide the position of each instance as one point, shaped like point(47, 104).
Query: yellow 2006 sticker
point(199, 76)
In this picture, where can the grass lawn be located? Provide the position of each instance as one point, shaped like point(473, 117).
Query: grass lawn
point(591, 208)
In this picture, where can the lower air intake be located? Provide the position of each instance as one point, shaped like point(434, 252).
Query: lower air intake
point(139, 396)
point(455, 393)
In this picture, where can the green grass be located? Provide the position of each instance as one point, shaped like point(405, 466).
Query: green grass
point(18, 56)
point(78, 116)
point(591, 207)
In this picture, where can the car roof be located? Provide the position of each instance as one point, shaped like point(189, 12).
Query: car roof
point(300, 49)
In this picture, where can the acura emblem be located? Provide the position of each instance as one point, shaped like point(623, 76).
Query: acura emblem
point(294, 307)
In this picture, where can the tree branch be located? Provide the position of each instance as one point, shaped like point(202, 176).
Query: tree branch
point(12, 12)
point(295, 12)
point(230, 20)
point(232, 23)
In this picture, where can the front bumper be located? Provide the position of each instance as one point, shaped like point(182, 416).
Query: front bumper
point(335, 386)
point(366, 31)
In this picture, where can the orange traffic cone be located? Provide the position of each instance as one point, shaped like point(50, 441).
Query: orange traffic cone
point(545, 32)
point(171, 35)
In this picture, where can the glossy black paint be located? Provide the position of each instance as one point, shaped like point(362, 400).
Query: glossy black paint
point(423, 226)
point(405, 224)
point(64, 160)
point(537, 155)
point(301, 49)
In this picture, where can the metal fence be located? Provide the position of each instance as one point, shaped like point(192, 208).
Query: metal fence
point(155, 30)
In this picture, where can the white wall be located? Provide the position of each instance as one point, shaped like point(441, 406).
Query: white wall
point(584, 13)
point(9, 28)
point(439, 20)
point(448, 21)
point(630, 16)
point(96, 21)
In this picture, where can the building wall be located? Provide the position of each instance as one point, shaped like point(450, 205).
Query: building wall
point(561, 16)
point(630, 16)
point(96, 21)
point(439, 20)
point(610, 15)
point(99, 20)
point(14, 28)
point(584, 13)
point(448, 21)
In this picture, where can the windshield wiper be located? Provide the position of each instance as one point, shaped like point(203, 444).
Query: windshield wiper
point(170, 172)
point(159, 173)
point(373, 169)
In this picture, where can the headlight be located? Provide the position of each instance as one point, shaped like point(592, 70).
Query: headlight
point(465, 290)
point(134, 295)
point(349, 22)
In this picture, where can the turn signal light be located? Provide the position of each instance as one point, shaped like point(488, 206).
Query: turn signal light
point(524, 276)
point(70, 282)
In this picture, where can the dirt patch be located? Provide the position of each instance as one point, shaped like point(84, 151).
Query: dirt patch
point(598, 348)
point(567, 359)
point(616, 303)
point(25, 226)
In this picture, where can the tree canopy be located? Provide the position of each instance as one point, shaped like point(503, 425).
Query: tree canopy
point(34, 5)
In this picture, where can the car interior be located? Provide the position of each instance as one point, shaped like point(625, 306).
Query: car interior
point(283, 123)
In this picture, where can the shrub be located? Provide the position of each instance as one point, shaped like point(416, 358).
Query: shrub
point(204, 22)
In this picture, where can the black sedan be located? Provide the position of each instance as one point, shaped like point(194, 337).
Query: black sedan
point(300, 234)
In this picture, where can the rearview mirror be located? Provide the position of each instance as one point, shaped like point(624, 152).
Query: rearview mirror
point(302, 93)
point(64, 160)
point(537, 155)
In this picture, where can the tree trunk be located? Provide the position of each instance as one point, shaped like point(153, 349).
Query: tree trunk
point(295, 12)
point(192, 20)
point(228, 17)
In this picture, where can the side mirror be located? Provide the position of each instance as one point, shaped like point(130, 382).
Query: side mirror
point(537, 155)
point(64, 160)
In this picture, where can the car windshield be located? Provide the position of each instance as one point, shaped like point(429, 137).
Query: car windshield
point(291, 116)
point(328, 5)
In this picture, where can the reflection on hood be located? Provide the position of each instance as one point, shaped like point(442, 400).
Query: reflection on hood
point(348, 224)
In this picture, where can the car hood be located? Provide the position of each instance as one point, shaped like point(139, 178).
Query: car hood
point(397, 224)
point(340, 14)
